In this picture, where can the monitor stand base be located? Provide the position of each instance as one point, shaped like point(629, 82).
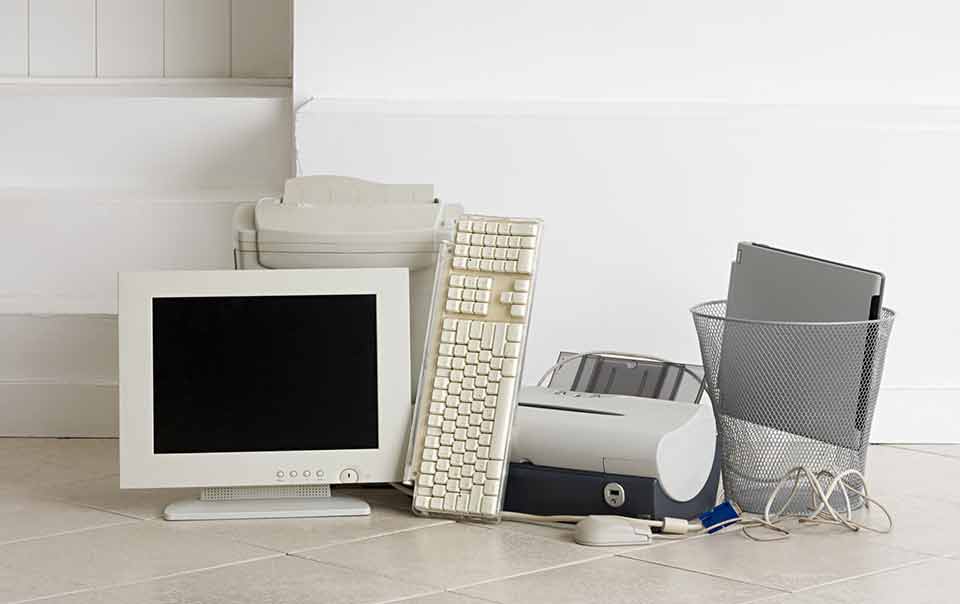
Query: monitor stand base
point(272, 502)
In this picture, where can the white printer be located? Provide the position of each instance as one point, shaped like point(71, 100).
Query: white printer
point(611, 435)
point(341, 222)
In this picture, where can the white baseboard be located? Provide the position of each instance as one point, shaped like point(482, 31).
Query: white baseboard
point(58, 377)
point(58, 409)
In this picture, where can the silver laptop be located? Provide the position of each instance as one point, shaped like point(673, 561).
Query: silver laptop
point(770, 284)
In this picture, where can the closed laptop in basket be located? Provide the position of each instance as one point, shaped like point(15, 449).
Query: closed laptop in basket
point(781, 376)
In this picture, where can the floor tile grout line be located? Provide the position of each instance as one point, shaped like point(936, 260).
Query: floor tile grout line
point(532, 572)
point(470, 597)
point(124, 522)
point(192, 571)
point(868, 574)
point(90, 506)
point(369, 537)
point(707, 574)
point(925, 558)
point(922, 452)
point(411, 597)
point(464, 586)
point(370, 572)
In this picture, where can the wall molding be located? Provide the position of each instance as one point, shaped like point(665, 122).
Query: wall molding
point(875, 115)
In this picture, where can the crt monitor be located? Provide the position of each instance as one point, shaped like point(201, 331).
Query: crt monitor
point(263, 378)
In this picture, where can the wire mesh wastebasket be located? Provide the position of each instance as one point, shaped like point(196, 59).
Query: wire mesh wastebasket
point(790, 394)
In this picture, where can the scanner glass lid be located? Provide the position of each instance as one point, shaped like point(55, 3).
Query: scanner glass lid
point(629, 377)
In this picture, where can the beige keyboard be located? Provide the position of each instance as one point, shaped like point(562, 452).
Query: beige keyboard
point(471, 374)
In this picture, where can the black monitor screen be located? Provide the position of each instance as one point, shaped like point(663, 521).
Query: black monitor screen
point(264, 373)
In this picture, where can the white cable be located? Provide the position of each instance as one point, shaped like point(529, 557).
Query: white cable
point(673, 526)
point(296, 143)
point(821, 511)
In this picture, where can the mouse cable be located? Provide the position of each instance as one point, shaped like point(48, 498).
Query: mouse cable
point(672, 526)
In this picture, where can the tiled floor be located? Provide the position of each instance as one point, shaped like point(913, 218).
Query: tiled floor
point(68, 534)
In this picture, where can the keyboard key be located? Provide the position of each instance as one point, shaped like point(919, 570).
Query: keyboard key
point(514, 332)
point(450, 502)
point(498, 443)
point(486, 341)
point(499, 339)
point(525, 261)
point(476, 499)
point(510, 368)
point(521, 285)
point(520, 228)
point(517, 310)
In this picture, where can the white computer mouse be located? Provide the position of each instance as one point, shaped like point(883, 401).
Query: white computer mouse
point(611, 530)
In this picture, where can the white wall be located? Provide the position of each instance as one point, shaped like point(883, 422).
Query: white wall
point(657, 135)
point(145, 38)
point(93, 184)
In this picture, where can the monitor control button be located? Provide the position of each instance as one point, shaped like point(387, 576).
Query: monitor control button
point(319, 474)
point(349, 475)
point(293, 473)
point(306, 473)
point(279, 473)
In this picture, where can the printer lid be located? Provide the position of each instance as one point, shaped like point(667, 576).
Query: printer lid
point(352, 227)
point(328, 188)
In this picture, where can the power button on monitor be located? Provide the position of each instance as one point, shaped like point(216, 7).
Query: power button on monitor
point(349, 475)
